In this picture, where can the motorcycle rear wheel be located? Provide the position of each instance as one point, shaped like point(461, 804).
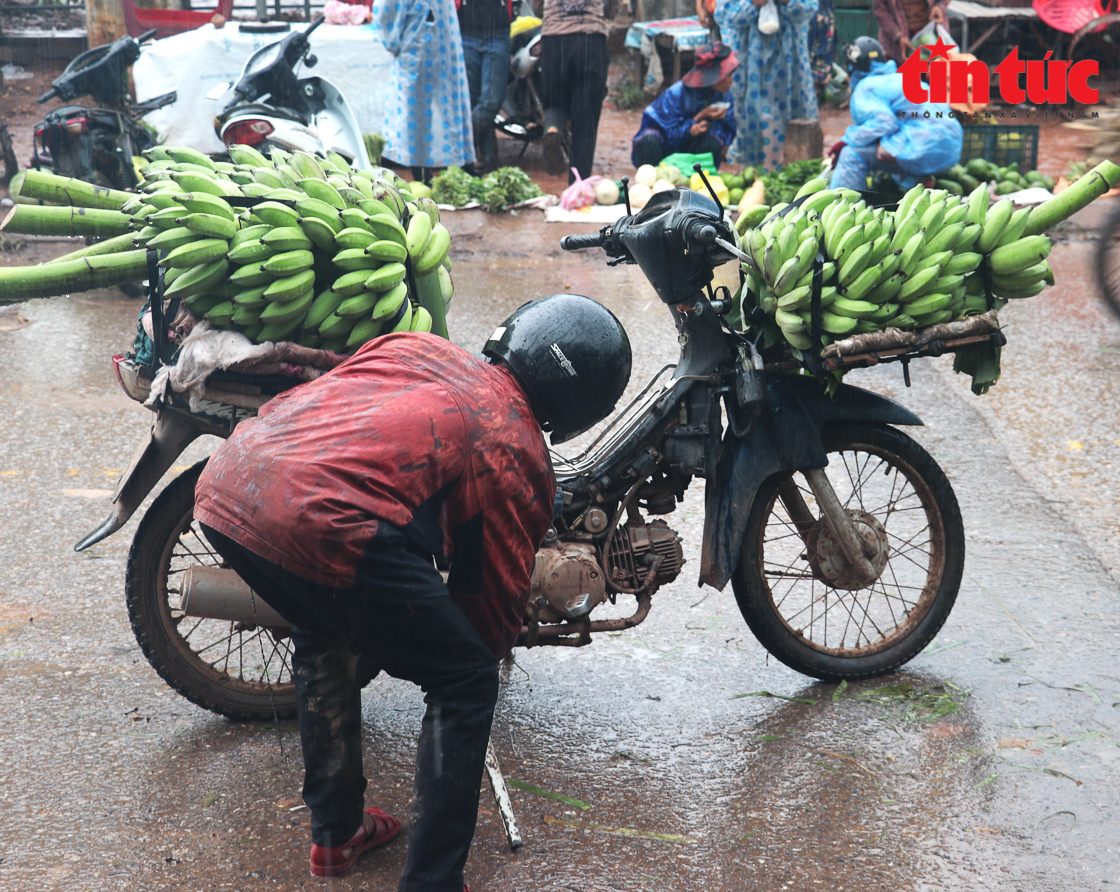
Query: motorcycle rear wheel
point(241, 673)
point(832, 633)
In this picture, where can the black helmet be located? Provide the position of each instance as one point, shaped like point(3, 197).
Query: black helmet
point(572, 357)
point(860, 53)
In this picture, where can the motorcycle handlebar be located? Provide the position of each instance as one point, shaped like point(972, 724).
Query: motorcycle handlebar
point(50, 94)
point(579, 242)
point(319, 19)
point(147, 35)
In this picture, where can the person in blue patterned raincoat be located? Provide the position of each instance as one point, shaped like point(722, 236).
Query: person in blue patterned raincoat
point(427, 104)
point(775, 82)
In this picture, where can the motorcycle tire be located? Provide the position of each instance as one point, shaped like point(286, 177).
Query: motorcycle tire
point(790, 585)
point(242, 673)
point(1107, 261)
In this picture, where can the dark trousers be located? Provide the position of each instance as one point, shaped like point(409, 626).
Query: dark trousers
point(573, 87)
point(342, 638)
point(651, 148)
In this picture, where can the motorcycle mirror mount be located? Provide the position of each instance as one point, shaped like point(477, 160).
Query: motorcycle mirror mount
point(700, 170)
point(217, 91)
point(626, 195)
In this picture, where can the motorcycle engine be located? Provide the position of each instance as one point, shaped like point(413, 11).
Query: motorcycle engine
point(567, 581)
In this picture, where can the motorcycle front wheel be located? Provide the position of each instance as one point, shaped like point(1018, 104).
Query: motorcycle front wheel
point(1108, 261)
point(794, 589)
point(243, 673)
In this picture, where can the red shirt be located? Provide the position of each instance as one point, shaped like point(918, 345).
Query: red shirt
point(411, 430)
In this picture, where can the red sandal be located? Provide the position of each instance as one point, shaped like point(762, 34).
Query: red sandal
point(334, 861)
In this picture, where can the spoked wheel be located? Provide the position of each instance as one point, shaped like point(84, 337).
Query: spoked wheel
point(798, 594)
point(237, 671)
point(1108, 260)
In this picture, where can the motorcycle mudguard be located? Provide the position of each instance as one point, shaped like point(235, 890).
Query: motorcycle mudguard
point(164, 444)
point(787, 438)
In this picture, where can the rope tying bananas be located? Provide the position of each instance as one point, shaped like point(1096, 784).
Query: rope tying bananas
point(925, 263)
point(327, 256)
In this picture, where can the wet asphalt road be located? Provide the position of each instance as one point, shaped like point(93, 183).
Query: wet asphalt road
point(1000, 769)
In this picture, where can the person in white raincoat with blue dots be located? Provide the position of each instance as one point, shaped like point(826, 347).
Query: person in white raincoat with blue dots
point(775, 82)
point(427, 106)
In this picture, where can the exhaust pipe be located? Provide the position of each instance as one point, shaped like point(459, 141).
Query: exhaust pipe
point(214, 593)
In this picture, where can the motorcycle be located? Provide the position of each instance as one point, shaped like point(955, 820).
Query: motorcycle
point(97, 144)
point(270, 105)
point(522, 113)
point(840, 535)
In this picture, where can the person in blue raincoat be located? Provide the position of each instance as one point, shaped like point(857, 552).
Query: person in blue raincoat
point(427, 103)
point(884, 134)
point(775, 83)
point(694, 115)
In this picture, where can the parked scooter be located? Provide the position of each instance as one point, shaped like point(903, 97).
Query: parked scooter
point(840, 535)
point(97, 144)
point(522, 113)
point(270, 105)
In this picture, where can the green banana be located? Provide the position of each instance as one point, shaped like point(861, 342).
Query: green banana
point(858, 309)
point(287, 238)
point(353, 237)
point(288, 263)
point(421, 320)
point(864, 283)
point(944, 240)
point(917, 285)
point(199, 278)
point(279, 331)
point(417, 235)
point(275, 214)
point(978, 204)
point(438, 246)
point(355, 258)
point(321, 235)
point(197, 252)
point(837, 324)
point(1019, 255)
point(1013, 231)
point(282, 311)
point(255, 252)
point(323, 306)
point(220, 315)
point(387, 277)
point(363, 331)
point(170, 239)
point(854, 265)
point(290, 286)
point(252, 297)
point(996, 219)
point(387, 251)
point(313, 207)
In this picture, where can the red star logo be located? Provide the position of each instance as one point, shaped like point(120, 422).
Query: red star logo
point(939, 49)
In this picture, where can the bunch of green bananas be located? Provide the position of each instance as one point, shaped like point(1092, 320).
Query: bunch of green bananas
point(327, 256)
point(920, 265)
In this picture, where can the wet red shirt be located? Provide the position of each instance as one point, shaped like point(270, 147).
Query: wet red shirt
point(411, 430)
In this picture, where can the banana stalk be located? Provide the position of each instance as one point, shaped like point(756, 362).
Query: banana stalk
point(430, 297)
point(1069, 201)
point(20, 283)
point(30, 219)
point(113, 245)
point(53, 189)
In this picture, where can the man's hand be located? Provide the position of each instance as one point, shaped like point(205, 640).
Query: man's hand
point(907, 46)
point(705, 17)
point(883, 155)
point(937, 14)
point(759, 2)
point(834, 152)
point(698, 128)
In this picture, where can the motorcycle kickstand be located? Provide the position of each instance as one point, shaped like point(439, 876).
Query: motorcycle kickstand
point(501, 797)
point(838, 521)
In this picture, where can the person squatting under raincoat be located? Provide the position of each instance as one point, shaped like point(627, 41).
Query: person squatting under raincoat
point(775, 83)
point(694, 115)
point(888, 131)
point(331, 505)
point(428, 104)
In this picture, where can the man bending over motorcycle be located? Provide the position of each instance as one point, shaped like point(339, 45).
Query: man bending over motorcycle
point(331, 504)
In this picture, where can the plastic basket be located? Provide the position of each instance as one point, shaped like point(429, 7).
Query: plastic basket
point(1002, 144)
